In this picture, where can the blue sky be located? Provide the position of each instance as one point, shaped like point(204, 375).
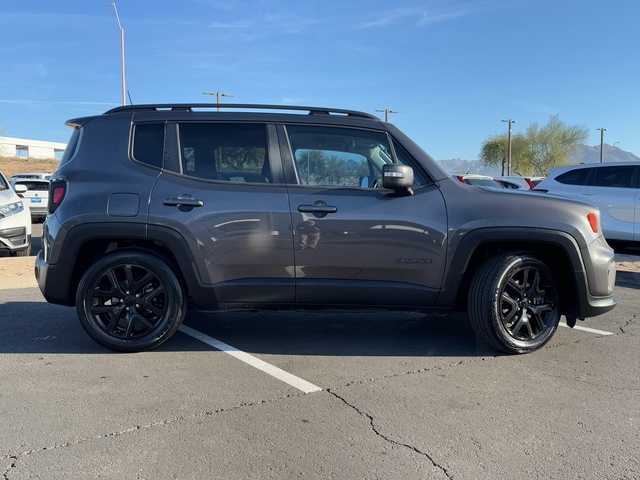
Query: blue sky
point(452, 69)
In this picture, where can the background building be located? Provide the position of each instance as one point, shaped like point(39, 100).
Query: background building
point(23, 148)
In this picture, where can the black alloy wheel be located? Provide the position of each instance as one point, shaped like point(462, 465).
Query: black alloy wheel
point(130, 301)
point(513, 303)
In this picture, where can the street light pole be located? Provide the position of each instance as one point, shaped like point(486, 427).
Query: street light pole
point(386, 113)
point(602, 130)
point(218, 95)
point(124, 87)
point(509, 150)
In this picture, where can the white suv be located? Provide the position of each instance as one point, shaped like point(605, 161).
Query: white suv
point(15, 221)
point(613, 187)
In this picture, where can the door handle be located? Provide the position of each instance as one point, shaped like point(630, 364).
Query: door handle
point(183, 201)
point(317, 209)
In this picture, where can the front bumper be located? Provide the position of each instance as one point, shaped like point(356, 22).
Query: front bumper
point(599, 276)
point(14, 239)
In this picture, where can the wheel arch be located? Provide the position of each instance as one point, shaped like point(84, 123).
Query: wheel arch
point(558, 250)
point(86, 243)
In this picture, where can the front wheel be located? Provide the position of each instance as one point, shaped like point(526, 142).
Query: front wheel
point(130, 301)
point(513, 303)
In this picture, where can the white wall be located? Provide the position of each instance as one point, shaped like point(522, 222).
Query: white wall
point(24, 148)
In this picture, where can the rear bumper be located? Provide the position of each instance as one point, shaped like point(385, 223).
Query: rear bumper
point(52, 281)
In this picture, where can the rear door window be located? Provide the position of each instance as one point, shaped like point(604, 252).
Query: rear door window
point(227, 152)
point(615, 176)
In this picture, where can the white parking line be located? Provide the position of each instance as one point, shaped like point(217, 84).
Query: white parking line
point(275, 372)
point(587, 329)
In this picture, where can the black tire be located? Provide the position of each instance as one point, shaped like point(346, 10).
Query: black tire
point(130, 301)
point(514, 303)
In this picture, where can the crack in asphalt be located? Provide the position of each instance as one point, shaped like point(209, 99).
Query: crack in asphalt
point(418, 371)
point(161, 423)
point(16, 456)
point(627, 323)
point(12, 466)
point(378, 433)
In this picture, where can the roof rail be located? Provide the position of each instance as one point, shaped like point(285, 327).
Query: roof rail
point(190, 107)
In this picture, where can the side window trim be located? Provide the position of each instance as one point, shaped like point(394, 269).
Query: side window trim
point(274, 159)
point(171, 151)
point(286, 156)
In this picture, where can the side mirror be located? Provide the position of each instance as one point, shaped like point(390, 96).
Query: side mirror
point(398, 178)
point(20, 188)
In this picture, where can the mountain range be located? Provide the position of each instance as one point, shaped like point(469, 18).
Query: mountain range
point(582, 154)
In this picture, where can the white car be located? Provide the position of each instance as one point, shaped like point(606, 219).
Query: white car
point(43, 176)
point(15, 221)
point(614, 187)
point(36, 195)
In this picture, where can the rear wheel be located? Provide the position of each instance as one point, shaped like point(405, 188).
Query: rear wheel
point(513, 303)
point(130, 301)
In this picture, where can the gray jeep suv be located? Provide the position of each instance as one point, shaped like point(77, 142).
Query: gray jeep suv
point(157, 207)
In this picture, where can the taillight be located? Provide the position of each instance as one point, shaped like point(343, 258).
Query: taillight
point(460, 178)
point(593, 221)
point(58, 195)
point(57, 191)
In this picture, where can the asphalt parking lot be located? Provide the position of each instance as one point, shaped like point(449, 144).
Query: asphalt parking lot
point(309, 395)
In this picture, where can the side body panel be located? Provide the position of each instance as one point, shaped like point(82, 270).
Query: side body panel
point(377, 249)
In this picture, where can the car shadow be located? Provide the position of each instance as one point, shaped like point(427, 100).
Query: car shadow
point(628, 279)
point(41, 328)
point(343, 334)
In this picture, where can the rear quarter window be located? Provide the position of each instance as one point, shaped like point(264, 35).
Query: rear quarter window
point(574, 177)
point(148, 144)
